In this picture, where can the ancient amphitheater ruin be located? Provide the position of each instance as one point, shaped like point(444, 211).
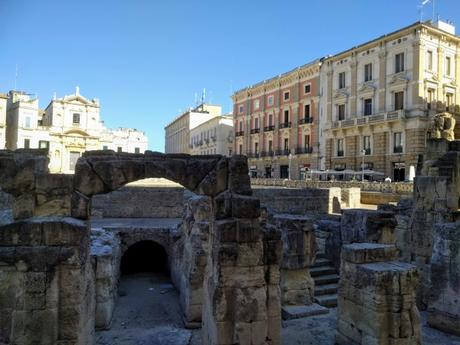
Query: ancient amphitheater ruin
point(243, 265)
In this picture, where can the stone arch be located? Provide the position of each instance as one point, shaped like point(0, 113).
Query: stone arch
point(99, 172)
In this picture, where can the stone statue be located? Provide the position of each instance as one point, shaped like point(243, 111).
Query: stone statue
point(442, 127)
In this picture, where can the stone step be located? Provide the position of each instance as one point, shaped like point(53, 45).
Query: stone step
point(322, 262)
point(322, 271)
point(329, 301)
point(326, 279)
point(291, 312)
point(326, 289)
point(320, 256)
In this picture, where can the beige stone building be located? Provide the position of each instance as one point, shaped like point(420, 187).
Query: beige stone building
point(3, 104)
point(276, 123)
point(377, 99)
point(177, 132)
point(214, 136)
point(66, 128)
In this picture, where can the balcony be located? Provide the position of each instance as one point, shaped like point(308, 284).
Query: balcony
point(255, 130)
point(397, 149)
point(370, 119)
point(302, 150)
point(252, 155)
point(305, 121)
point(340, 153)
point(284, 152)
point(269, 153)
point(269, 128)
point(239, 134)
point(285, 125)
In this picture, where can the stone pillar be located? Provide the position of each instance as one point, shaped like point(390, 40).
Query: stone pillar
point(299, 250)
point(376, 303)
point(46, 283)
point(444, 302)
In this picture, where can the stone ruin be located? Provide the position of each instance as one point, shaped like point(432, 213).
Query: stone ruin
point(242, 260)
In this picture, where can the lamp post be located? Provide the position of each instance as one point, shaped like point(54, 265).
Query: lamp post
point(363, 151)
point(399, 168)
point(290, 159)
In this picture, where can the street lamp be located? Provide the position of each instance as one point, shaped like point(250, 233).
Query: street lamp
point(399, 167)
point(363, 151)
point(290, 159)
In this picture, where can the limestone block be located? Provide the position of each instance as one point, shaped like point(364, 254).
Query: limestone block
point(359, 253)
point(238, 179)
point(297, 287)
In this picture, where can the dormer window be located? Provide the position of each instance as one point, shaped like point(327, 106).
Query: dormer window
point(76, 119)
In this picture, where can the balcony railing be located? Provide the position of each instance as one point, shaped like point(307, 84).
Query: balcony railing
point(269, 153)
point(252, 155)
point(306, 149)
point(285, 125)
point(340, 153)
point(397, 149)
point(269, 128)
point(239, 134)
point(284, 152)
point(255, 130)
point(306, 120)
point(361, 121)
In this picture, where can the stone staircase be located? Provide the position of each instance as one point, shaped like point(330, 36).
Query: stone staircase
point(326, 282)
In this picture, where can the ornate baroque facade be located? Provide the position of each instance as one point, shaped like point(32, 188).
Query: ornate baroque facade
point(66, 128)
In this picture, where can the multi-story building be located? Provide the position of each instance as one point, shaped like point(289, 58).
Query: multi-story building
point(214, 136)
point(276, 123)
point(66, 128)
point(177, 132)
point(377, 99)
point(3, 105)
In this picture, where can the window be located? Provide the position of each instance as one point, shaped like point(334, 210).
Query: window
point(44, 144)
point(307, 88)
point(306, 141)
point(340, 147)
point(27, 122)
point(105, 147)
point(430, 99)
point(137, 150)
point(449, 100)
point(119, 149)
point(73, 158)
point(429, 60)
point(256, 123)
point(256, 148)
point(448, 65)
point(27, 143)
point(241, 127)
point(240, 109)
point(270, 100)
point(256, 104)
point(368, 72)
point(399, 62)
point(286, 144)
point(270, 145)
point(286, 116)
point(341, 80)
point(397, 142)
point(367, 144)
point(286, 95)
point(368, 106)
point(399, 100)
point(307, 110)
point(229, 152)
point(76, 119)
point(341, 112)
point(241, 149)
point(270, 120)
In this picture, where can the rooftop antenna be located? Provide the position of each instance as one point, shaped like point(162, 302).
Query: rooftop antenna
point(420, 7)
point(203, 96)
point(16, 78)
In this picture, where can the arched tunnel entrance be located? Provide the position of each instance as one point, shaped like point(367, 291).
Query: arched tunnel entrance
point(144, 256)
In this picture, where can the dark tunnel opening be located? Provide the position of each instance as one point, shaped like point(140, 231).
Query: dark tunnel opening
point(145, 256)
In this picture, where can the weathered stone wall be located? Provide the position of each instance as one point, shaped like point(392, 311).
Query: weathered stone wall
point(444, 299)
point(400, 188)
point(47, 282)
point(376, 303)
point(6, 208)
point(144, 202)
point(377, 198)
point(299, 201)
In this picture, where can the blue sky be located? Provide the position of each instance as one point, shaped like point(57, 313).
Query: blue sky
point(145, 60)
